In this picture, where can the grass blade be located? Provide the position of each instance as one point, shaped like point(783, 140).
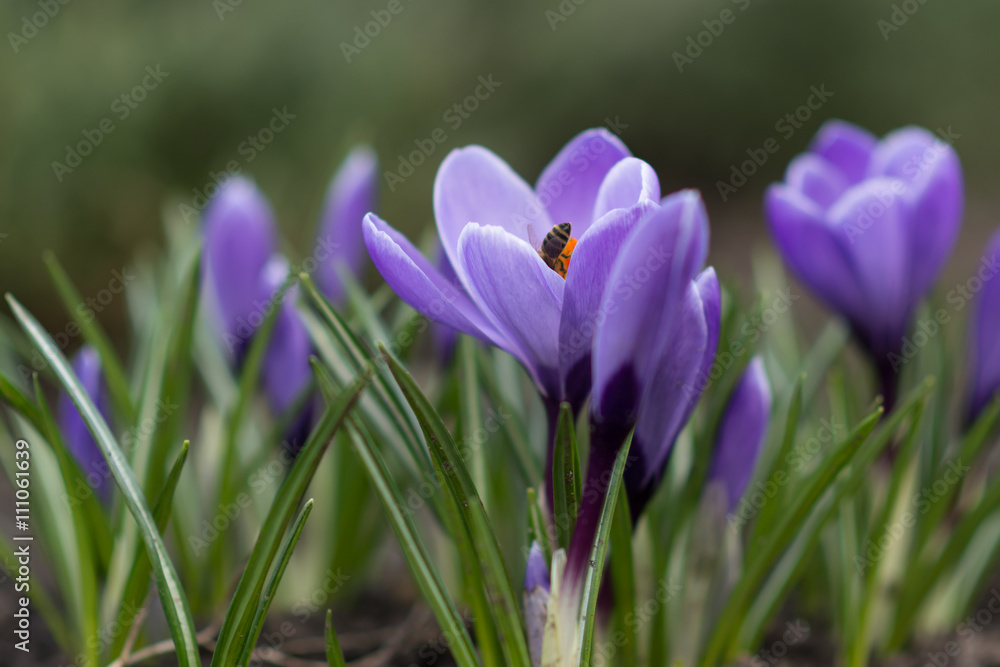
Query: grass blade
point(334, 656)
point(595, 569)
point(114, 371)
point(272, 583)
point(172, 596)
point(138, 580)
point(623, 581)
point(565, 477)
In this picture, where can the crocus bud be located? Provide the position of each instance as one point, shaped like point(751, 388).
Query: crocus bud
point(741, 433)
point(985, 333)
point(351, 195)
point(286, 371)
point(239, 238)
point(79, 441)
point(536, 599)
point(868, 224)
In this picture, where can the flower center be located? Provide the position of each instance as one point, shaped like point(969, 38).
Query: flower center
point(557, 248)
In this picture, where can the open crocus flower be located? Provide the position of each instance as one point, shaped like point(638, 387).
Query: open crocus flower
point(79, 441)
point(492, 226)
point(351, 194)
point(741, 433)
point(984, 362)
point(868, 225)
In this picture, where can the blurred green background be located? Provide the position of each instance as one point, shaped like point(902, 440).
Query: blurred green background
point(231, 62)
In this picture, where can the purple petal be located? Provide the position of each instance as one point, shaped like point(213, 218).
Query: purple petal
point(285, 371)
point(707, 284)
point(79, 441)
point(845, 146)
point(474, 185)
point(569, 184)
point(238, 240)
point(629, 182)
point(741, 432)
point(519, 293)
point(586, 281)
point(421, 285)
point(648, 281)
point(933, 174)
point(350, 196)
point(537, 572)
point(875, 219)
point(816, 178)
point(670, 397)
point(813, 249)
point(985, 330)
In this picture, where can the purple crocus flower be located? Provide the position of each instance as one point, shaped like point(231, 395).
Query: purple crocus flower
point(243, 279)
point(239, 238)
point(491, 224)
point(79, 441)
point(985, 334)
point(868, 224)
point(741, 433)
point(351, 194)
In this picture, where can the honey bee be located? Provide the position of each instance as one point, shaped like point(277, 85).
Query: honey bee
point(557, 248)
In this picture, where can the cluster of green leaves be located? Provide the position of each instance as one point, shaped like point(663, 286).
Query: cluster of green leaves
point(103, 555)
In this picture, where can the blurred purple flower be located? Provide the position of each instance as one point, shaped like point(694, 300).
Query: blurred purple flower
point(243, 281)
point(741, 433)
point(238, 239)
point(868, 224)
point(985, 338)
point(79, 441)
point(351, 195)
